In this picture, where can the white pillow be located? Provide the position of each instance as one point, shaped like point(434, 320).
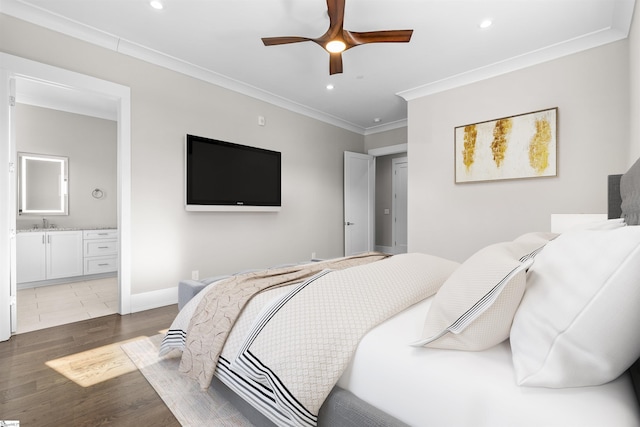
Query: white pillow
point(577, 324)
point(474, 308)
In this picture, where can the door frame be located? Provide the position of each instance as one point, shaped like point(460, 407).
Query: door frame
point(11, 69)
point(377, 152)
point(394, 207)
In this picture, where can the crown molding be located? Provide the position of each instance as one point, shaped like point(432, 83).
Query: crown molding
point(46, 19)
point(386, 127)
point(619, 30)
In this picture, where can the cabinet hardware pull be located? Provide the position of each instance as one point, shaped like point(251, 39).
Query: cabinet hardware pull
point(102, 265)
point(103, 247)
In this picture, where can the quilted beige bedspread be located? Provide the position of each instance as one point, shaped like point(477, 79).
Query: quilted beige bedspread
point(223, 303)
point(300, 345)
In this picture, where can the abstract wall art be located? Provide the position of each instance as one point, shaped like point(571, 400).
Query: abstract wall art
point(520, 146)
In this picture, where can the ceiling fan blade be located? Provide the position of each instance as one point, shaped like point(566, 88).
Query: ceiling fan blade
point(386, 36)
point(273, 41)
point(335, 63)
point(335, 9)
point(337, 33)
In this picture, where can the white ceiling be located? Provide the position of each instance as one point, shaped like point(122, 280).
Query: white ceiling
point(219, 41)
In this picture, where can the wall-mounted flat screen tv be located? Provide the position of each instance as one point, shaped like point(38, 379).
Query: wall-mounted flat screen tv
point(223, 176)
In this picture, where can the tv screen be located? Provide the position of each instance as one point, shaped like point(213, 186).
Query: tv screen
point(223, 176)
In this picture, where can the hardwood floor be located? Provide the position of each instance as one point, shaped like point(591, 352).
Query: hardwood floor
point(37, 395)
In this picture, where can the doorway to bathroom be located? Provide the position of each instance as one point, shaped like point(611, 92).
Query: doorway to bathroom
point(13, 71)
point(67, 184)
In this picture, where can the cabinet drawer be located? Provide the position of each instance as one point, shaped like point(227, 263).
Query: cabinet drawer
point(100, 247)
point(100, 265)
point(101, 234)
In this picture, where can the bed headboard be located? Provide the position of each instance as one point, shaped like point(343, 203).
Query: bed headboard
point(615, 211)
point(615, 199)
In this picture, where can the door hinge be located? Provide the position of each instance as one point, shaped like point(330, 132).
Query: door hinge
point(12, 101)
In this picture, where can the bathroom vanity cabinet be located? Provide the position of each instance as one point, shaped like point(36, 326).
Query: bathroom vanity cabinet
point(49, 255)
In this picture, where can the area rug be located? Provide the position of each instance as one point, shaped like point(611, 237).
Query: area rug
point(189, 404)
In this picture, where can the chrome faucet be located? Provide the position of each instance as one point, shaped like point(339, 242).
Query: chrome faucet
point(45, 223)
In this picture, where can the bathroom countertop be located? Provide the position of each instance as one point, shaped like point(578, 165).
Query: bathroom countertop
point(29, 230)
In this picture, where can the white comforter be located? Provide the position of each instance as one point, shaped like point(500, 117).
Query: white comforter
point(449, 388)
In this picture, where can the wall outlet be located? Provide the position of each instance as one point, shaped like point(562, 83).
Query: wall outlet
point(313, 255)
point(195, 275)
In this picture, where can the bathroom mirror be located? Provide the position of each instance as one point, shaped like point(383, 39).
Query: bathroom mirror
point(43, 184)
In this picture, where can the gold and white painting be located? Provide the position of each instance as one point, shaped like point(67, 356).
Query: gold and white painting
point(521, 146)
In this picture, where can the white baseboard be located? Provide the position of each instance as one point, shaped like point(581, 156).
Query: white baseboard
point(39, 284)
point(387, 249)
point(154, 299)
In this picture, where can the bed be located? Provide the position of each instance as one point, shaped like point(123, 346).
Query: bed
point(530, 332)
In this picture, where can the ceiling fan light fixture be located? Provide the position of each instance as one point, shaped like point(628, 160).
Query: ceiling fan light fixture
point(336, 46)
point(336, 39)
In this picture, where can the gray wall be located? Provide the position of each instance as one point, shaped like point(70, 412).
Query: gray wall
point(591, 91)
point(168, 242)
point(385, 139)
point(90, 145)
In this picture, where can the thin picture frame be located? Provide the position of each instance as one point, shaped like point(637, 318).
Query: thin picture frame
point(514, 147)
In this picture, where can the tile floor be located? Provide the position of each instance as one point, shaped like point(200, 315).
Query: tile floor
point(54, 305)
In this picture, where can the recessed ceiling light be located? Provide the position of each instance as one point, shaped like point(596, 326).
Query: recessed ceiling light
point(330, 86)
point(377, 120)
point(486, 23)
point(156, 4)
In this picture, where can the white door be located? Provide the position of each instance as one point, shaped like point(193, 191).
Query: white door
point(359, 181)
point(399, 206)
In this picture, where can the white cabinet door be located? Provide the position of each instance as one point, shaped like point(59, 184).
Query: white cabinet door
point(30, 257)
point(64, 254)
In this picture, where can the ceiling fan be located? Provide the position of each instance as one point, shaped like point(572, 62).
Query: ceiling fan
point(336, 40)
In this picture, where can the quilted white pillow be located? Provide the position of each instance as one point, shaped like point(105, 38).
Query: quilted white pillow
point(474, 308)
point(577, 324)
